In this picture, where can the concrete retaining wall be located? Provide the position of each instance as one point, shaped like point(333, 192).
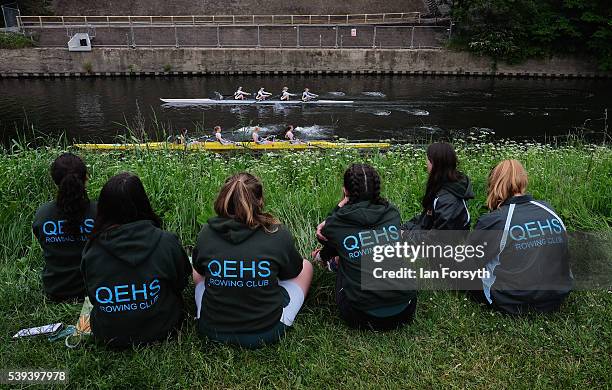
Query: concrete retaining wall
point(184, 61)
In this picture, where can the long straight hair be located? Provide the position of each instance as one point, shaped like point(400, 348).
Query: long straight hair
point(362, 183)
point(123, 200)
point(241, 198)
point(443, 159)
point(506, 179)
point(69, 173)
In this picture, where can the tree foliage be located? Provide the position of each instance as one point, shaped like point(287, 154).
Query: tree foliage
point(30, 7)
point(27, 7)
point(514, 30)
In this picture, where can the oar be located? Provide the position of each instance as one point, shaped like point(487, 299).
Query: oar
point(271, 97)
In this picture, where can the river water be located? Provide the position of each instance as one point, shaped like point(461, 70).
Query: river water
point(400, 107)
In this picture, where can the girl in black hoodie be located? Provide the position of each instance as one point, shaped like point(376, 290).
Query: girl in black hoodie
point(134, 271)
point(250, 279)
point(446, 194)
point(362, 220)
point(62, 227)
point(528, 255)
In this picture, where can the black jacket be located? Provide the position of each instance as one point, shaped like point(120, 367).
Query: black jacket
point(352, 231)
point(532, 271)
point(61, 275)
point(242, 267)
point(134, 276)
point(449, 210)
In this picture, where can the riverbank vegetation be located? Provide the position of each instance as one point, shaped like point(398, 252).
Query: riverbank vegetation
point(452, 343)
point(514, 30)
point(14, 41)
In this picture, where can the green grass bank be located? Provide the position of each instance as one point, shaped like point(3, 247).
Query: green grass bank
point(452, 343)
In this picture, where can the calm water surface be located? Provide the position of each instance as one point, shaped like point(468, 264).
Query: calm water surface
point(400, 107)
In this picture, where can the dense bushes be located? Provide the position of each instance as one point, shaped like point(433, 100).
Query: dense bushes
point(514, 30)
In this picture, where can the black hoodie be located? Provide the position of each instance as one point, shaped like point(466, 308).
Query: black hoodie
point(61, 275)
point(242, 267)
point(134, 276)
point(532, 271)
point(351, 232)
point(449, 210)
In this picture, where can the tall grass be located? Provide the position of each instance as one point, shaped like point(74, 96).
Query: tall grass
point(452, 342)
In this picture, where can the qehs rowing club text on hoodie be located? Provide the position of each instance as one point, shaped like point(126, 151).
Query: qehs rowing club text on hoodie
point(134, 276)
point(352, 231)
point(242, 267)
point(61, 274)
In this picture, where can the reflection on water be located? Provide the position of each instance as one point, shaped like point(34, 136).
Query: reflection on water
point(400, 107)
point(90, 110)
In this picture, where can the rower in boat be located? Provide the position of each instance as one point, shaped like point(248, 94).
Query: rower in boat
point(257, 139)
point(289, 136)
point(240, 94)
point(262, 95)
point(219, 137)
point(307, 96)
point(289, 133)
point(237, 146)
point(182, 137)
point(285, 95)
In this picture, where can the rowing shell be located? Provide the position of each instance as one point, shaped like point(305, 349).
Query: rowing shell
point(250, 101)
point(218, 147)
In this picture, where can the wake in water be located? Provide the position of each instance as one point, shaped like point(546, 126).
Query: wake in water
point(313, 131)
point(539, 113)
point(414, 111)
point(374, 111)
point(262, 130)
point(336, 93)
point(304, 132)
point(374, 94)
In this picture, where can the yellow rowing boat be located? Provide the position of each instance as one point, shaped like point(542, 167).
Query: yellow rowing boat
point(218, 147)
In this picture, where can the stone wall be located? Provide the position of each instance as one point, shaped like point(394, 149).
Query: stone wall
point(115, 61)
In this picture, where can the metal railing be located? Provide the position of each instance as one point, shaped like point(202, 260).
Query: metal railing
point(196, 20)
point(260, 36)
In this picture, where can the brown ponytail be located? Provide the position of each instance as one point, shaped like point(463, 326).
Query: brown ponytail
point(241, 198)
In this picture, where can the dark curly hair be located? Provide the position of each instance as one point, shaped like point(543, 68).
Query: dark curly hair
point(362, 183)
point(70, 174)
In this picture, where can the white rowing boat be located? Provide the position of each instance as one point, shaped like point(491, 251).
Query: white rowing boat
point(250, 101)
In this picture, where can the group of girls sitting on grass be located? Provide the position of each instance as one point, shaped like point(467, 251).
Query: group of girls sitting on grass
point(250, 279)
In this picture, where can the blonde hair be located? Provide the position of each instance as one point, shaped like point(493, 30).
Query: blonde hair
point(506, 179)
point(241, 198)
